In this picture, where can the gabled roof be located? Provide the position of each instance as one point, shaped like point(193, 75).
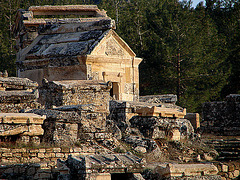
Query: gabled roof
point(72, 44)
point(50, 38)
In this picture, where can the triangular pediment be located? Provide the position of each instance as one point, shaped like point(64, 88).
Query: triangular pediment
point(113, 45)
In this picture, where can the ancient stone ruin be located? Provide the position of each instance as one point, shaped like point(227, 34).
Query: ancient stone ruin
point(76, 103)
point(75, 49)
point(222, 117)
point(18, 93)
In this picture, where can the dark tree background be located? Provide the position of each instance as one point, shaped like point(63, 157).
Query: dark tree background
point(191, 52)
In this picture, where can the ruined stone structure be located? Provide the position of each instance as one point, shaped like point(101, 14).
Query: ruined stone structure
point(69, 124)
point(75, 92)
point(75, 49)
point(88, 105)
point(18, 93)
point(222, 118)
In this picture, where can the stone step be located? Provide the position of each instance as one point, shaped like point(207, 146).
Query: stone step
point(226, 153)
point(228, 149)
point(228, 158)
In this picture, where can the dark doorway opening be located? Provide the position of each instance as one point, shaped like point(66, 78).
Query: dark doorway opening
point(121, 176)
point(114, 91)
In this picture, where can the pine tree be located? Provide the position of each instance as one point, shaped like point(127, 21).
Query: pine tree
point(185, 54)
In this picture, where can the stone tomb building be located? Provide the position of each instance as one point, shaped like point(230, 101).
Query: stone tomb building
point(75, 48)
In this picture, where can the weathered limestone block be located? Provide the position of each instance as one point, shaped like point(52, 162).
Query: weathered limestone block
point(160, 111)
point(123, 111)
point(21, 118)
point(18, 96)
point(26, 130)
point(174, 135)
point(181, 170)
point(22, 124)
point(19, 107)
point(160, 128)
point(59, 127)
point(142, 144)
point(17, 83)
point(113, 128)
point(158, 134)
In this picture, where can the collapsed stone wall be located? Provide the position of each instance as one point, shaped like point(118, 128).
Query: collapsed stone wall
point(222, 118)
point(70, 124)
